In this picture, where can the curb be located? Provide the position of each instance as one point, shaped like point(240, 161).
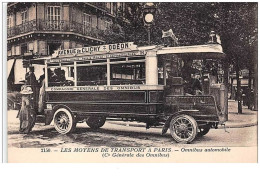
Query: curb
point(239, 125)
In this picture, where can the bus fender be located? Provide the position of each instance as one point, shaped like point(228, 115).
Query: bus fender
point(49, 113)
point(168, 121)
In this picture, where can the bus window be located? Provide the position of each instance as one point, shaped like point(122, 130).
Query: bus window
point(191, 73)
point(60, 76)
point(160, 73)
point(127, 73)
point(92, 75)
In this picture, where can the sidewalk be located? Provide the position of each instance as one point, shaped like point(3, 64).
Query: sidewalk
point(235, 120)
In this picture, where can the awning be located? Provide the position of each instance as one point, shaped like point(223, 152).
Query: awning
point(10, 66)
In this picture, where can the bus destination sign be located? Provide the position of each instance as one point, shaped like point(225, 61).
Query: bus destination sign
point(98, 56)
point(96, 49)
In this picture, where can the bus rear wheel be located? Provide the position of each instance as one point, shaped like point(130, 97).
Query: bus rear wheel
point(183, 128)
point(64, 121)
point(96, 122)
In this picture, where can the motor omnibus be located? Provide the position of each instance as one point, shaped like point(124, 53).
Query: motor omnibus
point(129, 83)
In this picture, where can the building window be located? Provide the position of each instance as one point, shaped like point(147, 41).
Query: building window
point(9, 50)
point(123, 8)
point(53, 17)
point(24, 16)
point(53, 46)
point(108, 24)
point(87, 23)
point(108, 7)
point(9, 22)
point(118, 5)
point(114, 8)
point(100, 24)
point(24, 49)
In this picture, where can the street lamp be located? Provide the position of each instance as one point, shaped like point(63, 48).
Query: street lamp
point(149, 10)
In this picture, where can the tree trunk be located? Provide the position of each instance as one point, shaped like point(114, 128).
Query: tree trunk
point(239, 95)
point(226, 75)
point(232, 96)
point(255, 83)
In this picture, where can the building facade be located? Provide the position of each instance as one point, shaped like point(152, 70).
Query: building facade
point(41, 28)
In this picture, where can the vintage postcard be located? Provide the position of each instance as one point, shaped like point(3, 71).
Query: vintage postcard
point(131, 82)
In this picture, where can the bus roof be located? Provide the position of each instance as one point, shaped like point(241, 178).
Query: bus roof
point(208, 51)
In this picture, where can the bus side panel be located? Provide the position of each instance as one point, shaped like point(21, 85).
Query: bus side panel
point(202, 108)
point(98, 97)
point(110, 103)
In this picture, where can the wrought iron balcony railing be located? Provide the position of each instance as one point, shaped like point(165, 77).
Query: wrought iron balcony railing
point(22, 28)
point(62, 26)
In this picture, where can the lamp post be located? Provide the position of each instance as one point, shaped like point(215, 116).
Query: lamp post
point(149, 10)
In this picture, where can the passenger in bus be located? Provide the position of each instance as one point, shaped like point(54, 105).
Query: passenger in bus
point(214, 74)
point(62, 76)
point(187, 71)
point(50, 74)
point(55, 75)
point(196, 86)
point(58, 77)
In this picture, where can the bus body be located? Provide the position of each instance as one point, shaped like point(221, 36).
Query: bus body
point(129, 83)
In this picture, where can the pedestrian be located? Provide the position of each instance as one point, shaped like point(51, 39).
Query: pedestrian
point(27, 115)
point(42, 77)
point(251, 100)
point(30, 79)
point(41, 101)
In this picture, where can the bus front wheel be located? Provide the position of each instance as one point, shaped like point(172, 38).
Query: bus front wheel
point(64, 122)
point(183, 128)
point(95, 122)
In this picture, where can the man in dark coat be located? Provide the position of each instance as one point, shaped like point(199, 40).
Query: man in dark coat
point(30, 79)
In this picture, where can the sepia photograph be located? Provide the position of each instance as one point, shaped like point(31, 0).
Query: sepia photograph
point(131, 81)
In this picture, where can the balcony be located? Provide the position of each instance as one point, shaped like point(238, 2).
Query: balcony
point(60, 26)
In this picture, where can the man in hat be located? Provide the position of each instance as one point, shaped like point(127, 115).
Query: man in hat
point(30, 79)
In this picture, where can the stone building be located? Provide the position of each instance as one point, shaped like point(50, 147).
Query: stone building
point(38, 29)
